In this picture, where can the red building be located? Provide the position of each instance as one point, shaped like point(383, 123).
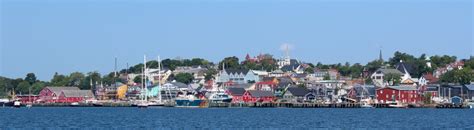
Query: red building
point(258, 96)
point(64, 95)
point(402, 94)
point(237, 94)
point(27, 98)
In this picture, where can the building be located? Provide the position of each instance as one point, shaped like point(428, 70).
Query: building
point(238, 76)
point(361, 92)
point(64, 95)
point(399, 94)
point(266, 86)
point(297, 94)
point(237, 94)
point(27, 98)
point(442, 70)
point(469, 92)
point(252, 96)
point(379, 75)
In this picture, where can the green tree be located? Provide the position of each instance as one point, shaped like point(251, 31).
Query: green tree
point(37, 87)
point(462, 77)
point(23, 87)
point(309, 70)
point(210, 74)
point(59, 80)
point(392, 78)
point(92, 77)
point(31, 78)
point(186, 78)
point(76, 79)
point(327, 77)
point(230, 63)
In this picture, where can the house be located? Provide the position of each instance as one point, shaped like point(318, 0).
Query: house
point(238, 76)
point(431, 89)
point(252, 96)
point(320, 74)
point(442, 70)
point(361, 92)
point(266, 86)
point(283, 83)
point(276, 73)
point(237, 94)
point(402, 94)
point(469, 92)
point(379, 75)
point(427, 78)
point(297, 94)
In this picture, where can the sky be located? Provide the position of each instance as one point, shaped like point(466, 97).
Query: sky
point(48, 36)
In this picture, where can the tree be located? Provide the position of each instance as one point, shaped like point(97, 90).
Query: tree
point(392, 78)
point(59, 80)
point(327, 77)
point(309, 70)
point(37, 87)
point(374, 65)
point(186, 78)
point(230, 63)
point(210, 74)
point(92, 77)
point(23, 87)
point(462, 77)
point(76, 79)
point(31, 78)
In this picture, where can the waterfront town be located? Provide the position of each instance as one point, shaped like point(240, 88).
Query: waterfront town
point(403, 81)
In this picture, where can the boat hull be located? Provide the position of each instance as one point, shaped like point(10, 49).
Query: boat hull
point(222, 100)
point(188, 103)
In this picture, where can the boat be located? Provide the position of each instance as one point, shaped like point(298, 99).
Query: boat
point(17, 104)
point(74, 104)
point(188, 101)
point(366, 105)
point(470, 105)
point(4, 102)
point(397, 105)
point(155, 103)
point(220, 97)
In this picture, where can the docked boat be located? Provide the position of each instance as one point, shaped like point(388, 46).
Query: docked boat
point(220, 97)
point(74, 104)
point(142, 104)
point(188, 101)
point(366, 105)
point(4, 102)
point(17, 104)
point(397, 105)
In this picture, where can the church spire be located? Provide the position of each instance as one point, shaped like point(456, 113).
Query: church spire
point(380, 55)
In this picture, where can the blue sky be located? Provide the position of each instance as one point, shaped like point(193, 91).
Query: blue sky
point(47, 36)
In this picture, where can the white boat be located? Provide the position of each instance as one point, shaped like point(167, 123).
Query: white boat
point(220, 97)
point(397, 105)
point(188, 101)
point(366, 105)
point(74, 104)
point(470, 105)
point(17, 104)
point(142, 104)
point(155, 103)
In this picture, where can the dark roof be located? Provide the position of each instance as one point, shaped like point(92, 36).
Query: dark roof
point(470, 87)
point(300, 75)
point(402, 66)
point(236, 91)
point(287, 68)
point(367, 90)
point(298, 91)
point(179, 84)
point(403, 88)
point(237, 71)
point(389, 71)
point(259, 93)
point(78, 93)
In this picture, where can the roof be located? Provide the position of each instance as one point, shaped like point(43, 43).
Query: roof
point(179, 84)
point(237, 71)
point(78, 93)
point(57, 90)
point(298, 91)
point(236, 91)
point(245, 86)
point(289, 67)
point(259, 93)
point(402, 66)
point(368, 90)
point(268, 78)
point(470, 87)
point(389, 71)
point(403, 88)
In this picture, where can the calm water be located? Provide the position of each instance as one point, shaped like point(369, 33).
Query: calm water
point(152, 118)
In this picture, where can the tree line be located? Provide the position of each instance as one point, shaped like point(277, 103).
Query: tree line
point(268, 63)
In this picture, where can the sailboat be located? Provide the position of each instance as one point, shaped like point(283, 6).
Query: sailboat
point(144, 102)
point(159, 101)
point(365, 102)
point(30, 103)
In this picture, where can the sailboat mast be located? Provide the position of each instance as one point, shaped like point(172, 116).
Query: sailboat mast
point(159, 78)
point(146, 72)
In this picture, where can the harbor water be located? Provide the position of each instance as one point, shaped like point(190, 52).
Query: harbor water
point(191, 118)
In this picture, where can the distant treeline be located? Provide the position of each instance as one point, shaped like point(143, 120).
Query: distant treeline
point(267, 63)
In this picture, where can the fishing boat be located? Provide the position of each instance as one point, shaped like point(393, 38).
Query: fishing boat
point(220, 97)
point(74, 104)
point(188, 101)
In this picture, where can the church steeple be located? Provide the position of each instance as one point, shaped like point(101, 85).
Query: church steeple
point(380, 55)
